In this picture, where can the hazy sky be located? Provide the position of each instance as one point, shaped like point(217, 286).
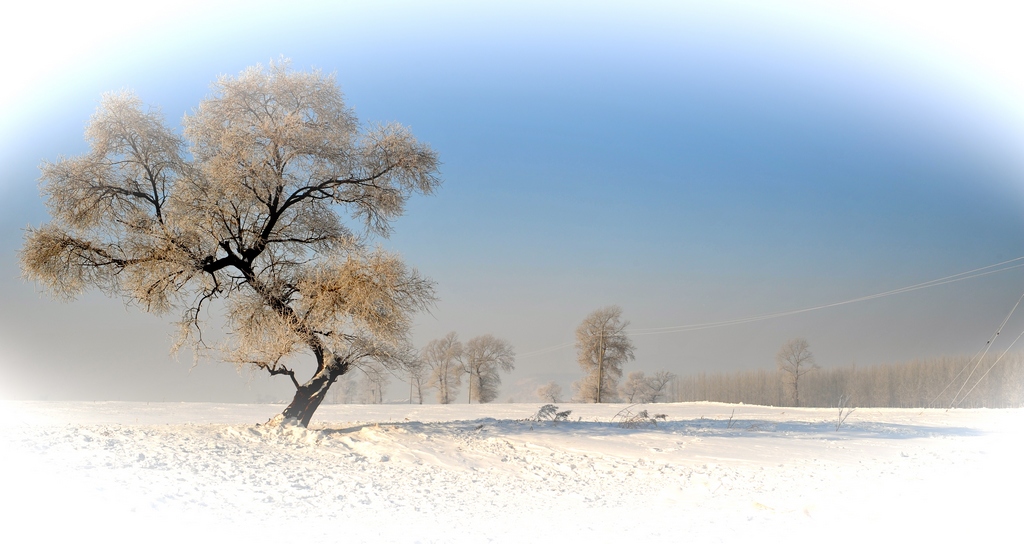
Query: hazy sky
point(691, 162)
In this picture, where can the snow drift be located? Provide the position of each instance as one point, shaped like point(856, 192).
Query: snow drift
point(708, 472)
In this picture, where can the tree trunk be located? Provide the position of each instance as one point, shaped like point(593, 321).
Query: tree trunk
point(308, 397)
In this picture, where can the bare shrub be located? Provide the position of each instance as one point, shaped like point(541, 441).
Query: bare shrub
point(628, 419)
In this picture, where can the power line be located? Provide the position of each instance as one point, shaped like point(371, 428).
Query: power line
point(977, 356)
point(988, 346)
point(1000, 358)
point(977, 272)
point(545, 350)
point(970, 274)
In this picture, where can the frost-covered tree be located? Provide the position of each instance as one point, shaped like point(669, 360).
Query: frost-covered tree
point(483, 359)
point(795, 360)
point(550, 392)
point(265, 206)
point(444, 357)
point(634, 389)
point(602, 348)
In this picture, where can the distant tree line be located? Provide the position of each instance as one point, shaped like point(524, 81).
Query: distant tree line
point(914, 384)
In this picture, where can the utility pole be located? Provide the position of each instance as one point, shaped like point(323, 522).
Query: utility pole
point(600, 365)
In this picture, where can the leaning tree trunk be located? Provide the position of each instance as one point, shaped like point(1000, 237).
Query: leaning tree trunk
point(307, 399)
point(309, 395)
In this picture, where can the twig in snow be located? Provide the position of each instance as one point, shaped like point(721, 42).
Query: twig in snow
point(844, 411)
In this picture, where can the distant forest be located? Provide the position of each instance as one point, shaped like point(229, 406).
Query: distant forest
point(916, 384)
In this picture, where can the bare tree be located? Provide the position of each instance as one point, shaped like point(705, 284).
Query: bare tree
point(417, 370)
point(552, 392)
point(250, 209)
point(444, 357)
point(641, 388)
point(376, 379)
point(484, 357)
point(795, 360)
point(602, 348)
point(344, 391)
point(657, 386)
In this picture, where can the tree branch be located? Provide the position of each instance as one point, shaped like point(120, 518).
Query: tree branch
point(280, 369)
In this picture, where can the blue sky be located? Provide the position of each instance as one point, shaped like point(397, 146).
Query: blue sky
point(690, 162)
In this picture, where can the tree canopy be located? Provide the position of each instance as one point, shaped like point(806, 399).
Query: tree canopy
point(267, 203)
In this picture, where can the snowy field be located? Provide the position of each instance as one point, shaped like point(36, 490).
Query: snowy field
point(196, 472)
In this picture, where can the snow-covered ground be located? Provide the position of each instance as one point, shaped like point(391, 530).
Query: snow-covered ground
point(196, 472)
